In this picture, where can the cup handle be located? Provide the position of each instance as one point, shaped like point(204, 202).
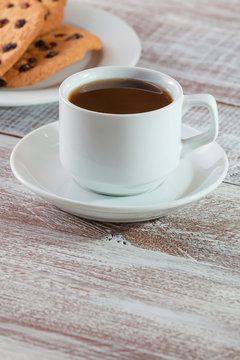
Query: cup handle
point(204, 138)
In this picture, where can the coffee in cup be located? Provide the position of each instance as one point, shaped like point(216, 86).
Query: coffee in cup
point(120, 96)
point(115, 150)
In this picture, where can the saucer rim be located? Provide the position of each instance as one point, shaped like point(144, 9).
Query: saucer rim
point(109, 208)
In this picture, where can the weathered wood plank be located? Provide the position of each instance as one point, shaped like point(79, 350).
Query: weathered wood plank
point(196, 42)
point(77, 289)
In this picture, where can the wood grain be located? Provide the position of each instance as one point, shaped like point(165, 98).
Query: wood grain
point(196, 42)
point(77, 289)
point(166, 289)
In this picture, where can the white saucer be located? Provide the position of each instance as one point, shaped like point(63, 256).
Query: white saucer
point(121, 46)
point(35, 162)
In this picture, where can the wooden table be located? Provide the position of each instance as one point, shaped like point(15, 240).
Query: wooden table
point(164, 289)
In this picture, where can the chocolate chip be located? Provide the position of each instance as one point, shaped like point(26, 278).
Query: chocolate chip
point(2, 83)
point(41, 45)
point(20, 23)
point(51, 54)
point(52, 44)
point(74, 36)
point(10, 5)
point(9, 47)
point(25, 67)
point(25, 5)
point(32, 59)
point(60, 35)
point(3, 22)
point(47, 14)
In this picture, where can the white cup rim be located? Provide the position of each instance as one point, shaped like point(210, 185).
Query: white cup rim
point(113, 68)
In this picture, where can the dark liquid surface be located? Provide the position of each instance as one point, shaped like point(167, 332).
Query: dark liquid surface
point(120, 96)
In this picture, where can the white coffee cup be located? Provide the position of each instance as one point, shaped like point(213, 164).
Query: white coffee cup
point(126, 154)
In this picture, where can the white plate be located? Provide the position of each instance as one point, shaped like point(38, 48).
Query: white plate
point(121, 46)
point(35, 163)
